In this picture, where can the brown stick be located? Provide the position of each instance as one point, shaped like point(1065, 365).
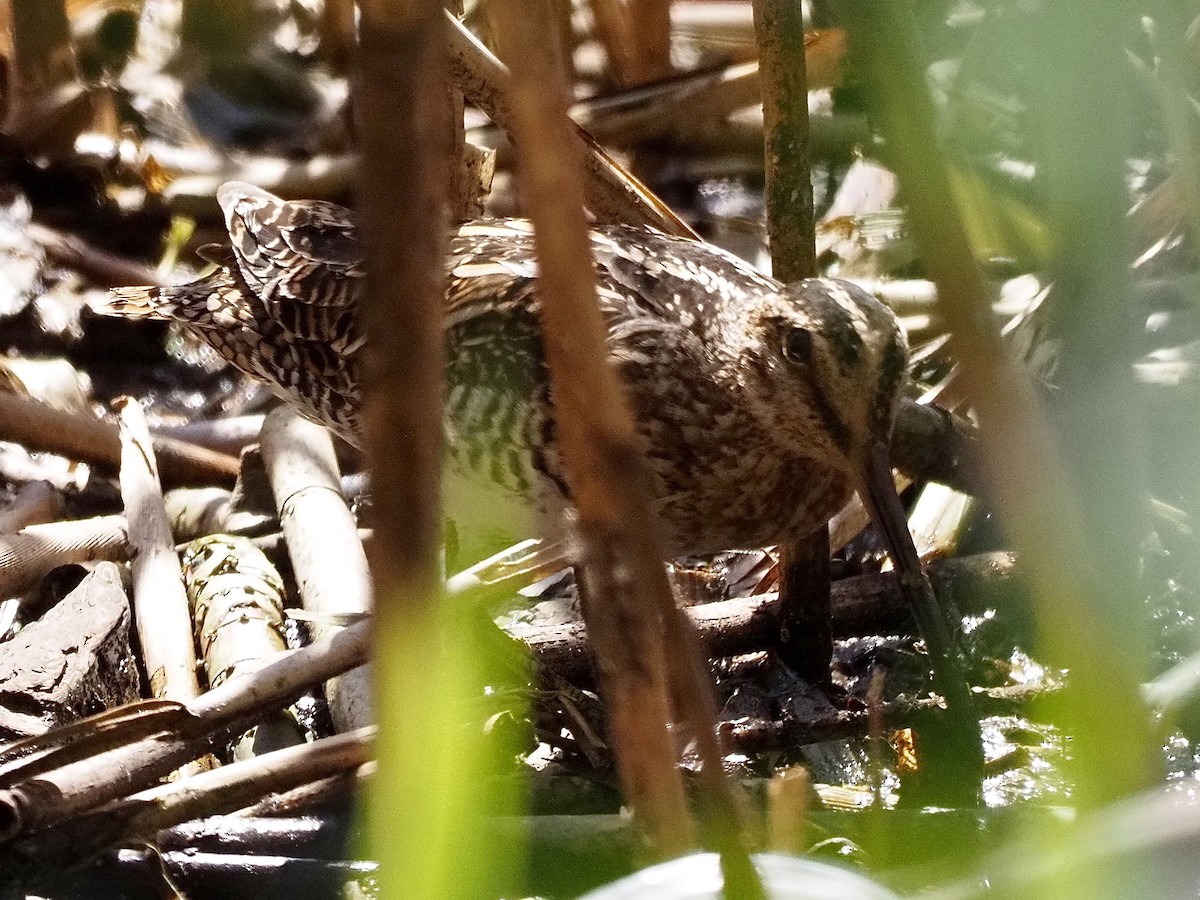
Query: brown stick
point(767, 735)
point(403, 192)
point(160, 604)
point(39, 427)
point(636, 37)
point(779, 26)
point(932, 443)
point(101, 267)
point(598, 440)
point(805, 640)
point(688, 105)
point(42, 43)
point(337, 33)
point(231, 435)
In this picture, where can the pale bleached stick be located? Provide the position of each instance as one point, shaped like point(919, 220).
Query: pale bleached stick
point(322, 538)
point(160, 603)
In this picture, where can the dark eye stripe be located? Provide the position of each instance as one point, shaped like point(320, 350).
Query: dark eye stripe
point(847, 346)
point(837, 328)
point(891, 376)
point(828, 414)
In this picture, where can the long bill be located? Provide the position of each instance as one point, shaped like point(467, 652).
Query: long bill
point(878, 493)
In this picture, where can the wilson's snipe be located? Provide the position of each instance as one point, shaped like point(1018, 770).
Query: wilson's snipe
point(758, 403)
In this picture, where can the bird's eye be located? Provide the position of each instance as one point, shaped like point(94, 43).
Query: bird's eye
point(798, 345)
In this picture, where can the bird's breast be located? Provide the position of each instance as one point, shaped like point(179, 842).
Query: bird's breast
point(744, 497)
point(718, 480)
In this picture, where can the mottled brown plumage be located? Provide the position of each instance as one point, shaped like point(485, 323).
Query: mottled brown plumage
point(756, 401)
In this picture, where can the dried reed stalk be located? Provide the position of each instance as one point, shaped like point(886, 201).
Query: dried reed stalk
point(805, 638)
point(230, 435)
point(417, 811)
point(597, 437)
point(626, 587)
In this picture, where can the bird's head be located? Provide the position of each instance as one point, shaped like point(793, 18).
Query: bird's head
point(824, 361)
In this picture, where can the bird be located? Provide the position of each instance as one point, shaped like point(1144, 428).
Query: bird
point(756, 403)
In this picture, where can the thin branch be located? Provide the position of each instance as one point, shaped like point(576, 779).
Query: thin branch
point(805, 639)
point(779, 25)
point(862, 605)
point(37, 426)
point(99, 266)
point(626, 585)
point(932, 443)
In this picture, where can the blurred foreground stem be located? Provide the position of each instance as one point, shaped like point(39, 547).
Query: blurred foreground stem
point(424, 806)
point(1076, 568)
point(596, 431)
